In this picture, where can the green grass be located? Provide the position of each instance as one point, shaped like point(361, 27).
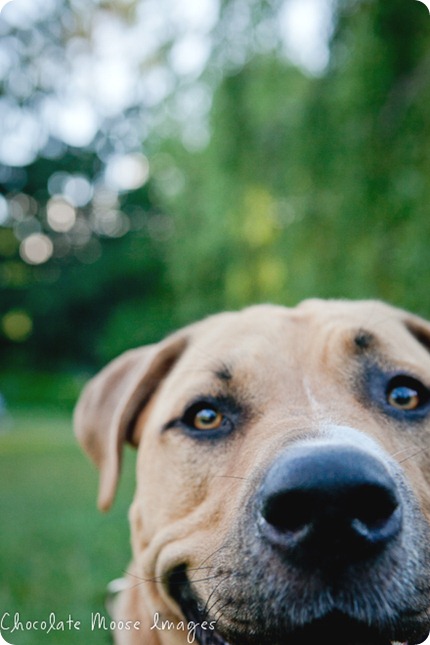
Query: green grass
point(57, 552)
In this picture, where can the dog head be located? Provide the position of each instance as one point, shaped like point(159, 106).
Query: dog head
point(282, 472)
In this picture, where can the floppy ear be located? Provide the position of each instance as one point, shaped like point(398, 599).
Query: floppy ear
point(111, 401)
point(419, 328)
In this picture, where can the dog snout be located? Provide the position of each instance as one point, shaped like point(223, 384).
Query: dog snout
point(322, 505)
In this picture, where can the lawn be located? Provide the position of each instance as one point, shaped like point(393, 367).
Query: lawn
point(57, 552)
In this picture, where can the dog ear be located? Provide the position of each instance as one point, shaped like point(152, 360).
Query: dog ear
point(420, 329)
point(109, 405)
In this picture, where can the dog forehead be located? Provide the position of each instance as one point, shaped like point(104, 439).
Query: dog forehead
point(254, 325)
point(278, 324)
point(357, 313)
point(264, 335)
point(260, 340)
point(236, 343)
point(398, 334)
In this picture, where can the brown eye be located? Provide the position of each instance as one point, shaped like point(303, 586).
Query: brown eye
point(406, 393)
point(207, 418)
point(403, 397)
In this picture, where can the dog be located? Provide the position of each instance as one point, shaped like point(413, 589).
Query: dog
point(283, 477)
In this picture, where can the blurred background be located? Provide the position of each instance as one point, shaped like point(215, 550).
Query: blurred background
point(162, 160)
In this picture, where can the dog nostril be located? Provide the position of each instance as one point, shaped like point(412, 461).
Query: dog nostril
point(289, 512)
point(329, 501)
point(373, 511)
point(368, 508)
point(373, 505)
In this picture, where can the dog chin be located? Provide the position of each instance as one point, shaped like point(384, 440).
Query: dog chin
point(335, 628)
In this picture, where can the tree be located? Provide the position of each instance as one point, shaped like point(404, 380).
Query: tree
point(316, 186)
point(264, 182)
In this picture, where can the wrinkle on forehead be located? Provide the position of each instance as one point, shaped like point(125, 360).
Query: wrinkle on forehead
point(296, 356)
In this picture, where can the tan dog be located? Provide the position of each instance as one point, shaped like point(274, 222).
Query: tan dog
point(283, 477)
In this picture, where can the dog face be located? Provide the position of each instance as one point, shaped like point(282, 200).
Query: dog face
point(282, 473)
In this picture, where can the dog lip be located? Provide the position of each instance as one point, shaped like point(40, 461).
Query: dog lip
point(322, 629)
point(338, 628)
point(181, 591)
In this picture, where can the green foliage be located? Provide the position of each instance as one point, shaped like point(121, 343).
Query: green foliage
point(36, 390)
point(315, 186)
point(308, 186)
point(370, 133)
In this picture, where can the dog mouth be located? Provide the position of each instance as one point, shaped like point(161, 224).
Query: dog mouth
point(335, 627)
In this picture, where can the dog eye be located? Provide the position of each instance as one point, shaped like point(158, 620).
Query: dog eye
point(207, 418)
point(406, 393)
point(404, 398)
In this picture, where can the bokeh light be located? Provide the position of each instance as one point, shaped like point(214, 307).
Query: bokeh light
point(36, 249)
point(78, 190)
point(17, 325)
point(3, 3)
point(79, 79)
point(127, 172)
point(64, 86)
point(306, 26)
point(4, 210)
point(61, 214)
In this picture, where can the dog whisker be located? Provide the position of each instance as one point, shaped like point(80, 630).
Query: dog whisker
point(207, 579)
point(216, 615)
point(209, 557)
point(231, 477)
point(412, 455)
point(154, 579)
point(405, 449)
point(207, 610)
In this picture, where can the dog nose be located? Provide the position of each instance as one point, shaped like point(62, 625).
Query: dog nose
point(326, 504)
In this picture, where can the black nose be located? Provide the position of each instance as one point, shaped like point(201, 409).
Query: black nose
point(326, 504)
